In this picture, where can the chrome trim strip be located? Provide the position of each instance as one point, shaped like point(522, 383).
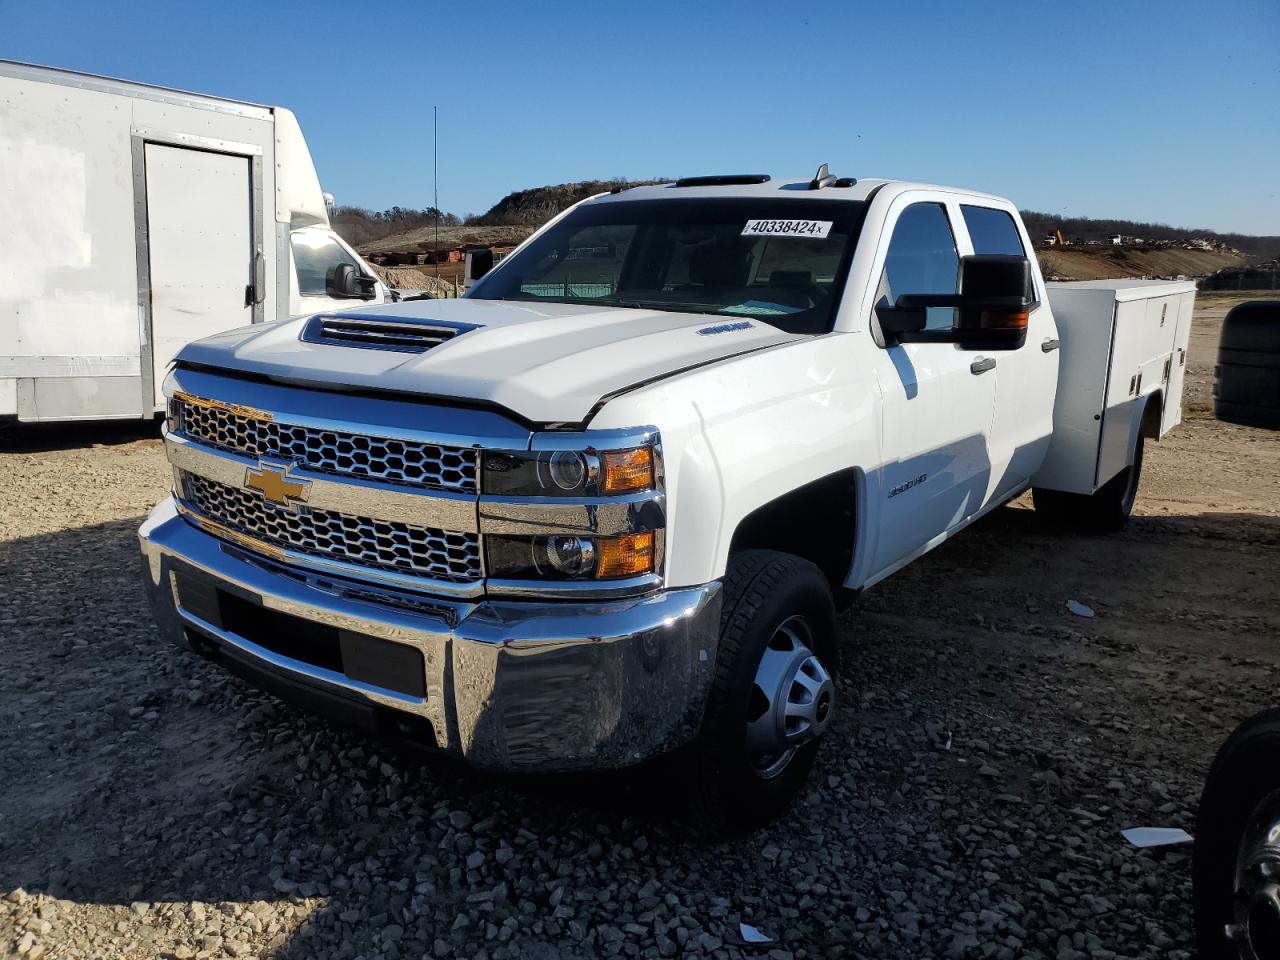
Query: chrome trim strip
point(595, 440)
point(337, 568)
point(142, 260)
point(420, 422)
point(440, 509)
point(576, 589)
point(603, 516)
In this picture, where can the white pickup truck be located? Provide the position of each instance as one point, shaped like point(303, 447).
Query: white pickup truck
point(605, 507)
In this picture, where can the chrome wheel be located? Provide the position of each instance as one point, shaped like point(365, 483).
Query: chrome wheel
point(1256, 922)
point(791, 700)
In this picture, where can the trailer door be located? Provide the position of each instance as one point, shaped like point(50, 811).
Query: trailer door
point(200, 242)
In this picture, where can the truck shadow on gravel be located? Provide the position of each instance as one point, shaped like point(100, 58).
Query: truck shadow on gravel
point(44, 437)
point(135, 774)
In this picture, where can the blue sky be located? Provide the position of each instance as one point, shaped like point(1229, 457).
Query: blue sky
point(1163, 111)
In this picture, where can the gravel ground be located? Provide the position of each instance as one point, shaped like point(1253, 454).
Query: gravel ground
point(990, 747)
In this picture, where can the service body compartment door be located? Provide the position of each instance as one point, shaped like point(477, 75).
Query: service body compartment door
point(200, 242)
point(1178, 364)
point(1117, 338)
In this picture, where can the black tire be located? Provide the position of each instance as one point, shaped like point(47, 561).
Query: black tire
point(1108, 509)
point(1246, 770)
point(763, 590)
point(1246, 387)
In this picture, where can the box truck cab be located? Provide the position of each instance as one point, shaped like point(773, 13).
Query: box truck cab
point(138, 218)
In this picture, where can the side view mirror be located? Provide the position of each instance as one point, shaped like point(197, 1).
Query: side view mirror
point(991, 311)
point(344, 282)
point(901, 320)
point(479, 262)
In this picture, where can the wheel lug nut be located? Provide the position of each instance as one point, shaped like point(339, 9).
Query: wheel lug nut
point(1233, 931)
point(1267, 868)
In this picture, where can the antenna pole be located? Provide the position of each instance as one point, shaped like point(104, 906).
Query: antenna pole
point(435, 188)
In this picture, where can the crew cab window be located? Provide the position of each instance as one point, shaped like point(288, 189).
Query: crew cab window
point(992, 231)
point(315, 254)
point(922, 259)
point(779, 261)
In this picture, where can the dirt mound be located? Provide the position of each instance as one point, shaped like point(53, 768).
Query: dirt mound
point(536, 206)
point(424, 238)
point(411, 278)
point(1106, 263)
point(1257, 276)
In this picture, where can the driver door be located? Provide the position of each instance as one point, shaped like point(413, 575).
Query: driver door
point(938, 400)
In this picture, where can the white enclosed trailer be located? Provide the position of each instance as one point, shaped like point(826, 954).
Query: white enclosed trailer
point(134, 219)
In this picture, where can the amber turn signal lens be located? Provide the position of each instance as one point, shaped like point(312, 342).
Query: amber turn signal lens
point(627, 470)
point(1004, 320)
point(625, 556)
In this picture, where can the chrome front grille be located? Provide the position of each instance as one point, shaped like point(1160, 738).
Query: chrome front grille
point(366, 542)
point(255, 433)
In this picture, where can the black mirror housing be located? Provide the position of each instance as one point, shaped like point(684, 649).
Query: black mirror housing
point(991, 310)
point(344, 282)
point(984, 276)
point(902, 319)
point(479, 262)
point(996, 294)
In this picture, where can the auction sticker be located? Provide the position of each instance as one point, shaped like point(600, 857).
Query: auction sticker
point(815, 229)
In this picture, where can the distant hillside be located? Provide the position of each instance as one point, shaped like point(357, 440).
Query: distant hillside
point(533, 207)
point(514, 216)
point(1087, 228)
point(424, 238)
point(1109, 263)
point(537, 205)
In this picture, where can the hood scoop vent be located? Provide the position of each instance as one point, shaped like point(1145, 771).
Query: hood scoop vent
point(405, 334)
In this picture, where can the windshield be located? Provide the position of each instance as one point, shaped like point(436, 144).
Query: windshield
point(781, 261)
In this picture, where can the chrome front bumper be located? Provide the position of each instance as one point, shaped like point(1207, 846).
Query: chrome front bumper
point(509, 685)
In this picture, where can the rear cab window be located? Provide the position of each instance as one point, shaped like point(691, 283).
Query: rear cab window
point(992, 231)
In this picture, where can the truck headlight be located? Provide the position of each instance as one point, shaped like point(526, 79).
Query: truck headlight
point(571, 557)
point(568, 473)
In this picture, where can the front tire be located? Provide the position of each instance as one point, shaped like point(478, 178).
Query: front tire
point(1235, 869)
point(772, 695)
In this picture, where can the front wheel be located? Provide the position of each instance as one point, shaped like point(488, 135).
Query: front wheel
point(772, 696)
point(1235, 870)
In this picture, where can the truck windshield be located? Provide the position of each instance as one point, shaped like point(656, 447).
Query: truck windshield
point(781, 261)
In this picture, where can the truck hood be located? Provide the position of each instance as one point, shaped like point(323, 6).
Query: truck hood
point(546, 362)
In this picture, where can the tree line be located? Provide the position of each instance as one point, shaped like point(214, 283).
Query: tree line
point(357, 225)
point(1088, 228)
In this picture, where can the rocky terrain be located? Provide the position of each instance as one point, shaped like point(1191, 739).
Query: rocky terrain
point(989, 747)
point(1107, 262)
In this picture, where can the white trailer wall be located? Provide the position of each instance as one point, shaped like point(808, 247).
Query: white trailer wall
point(75, 301)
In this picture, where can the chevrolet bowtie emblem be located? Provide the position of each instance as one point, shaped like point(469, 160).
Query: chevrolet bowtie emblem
point(273, 482)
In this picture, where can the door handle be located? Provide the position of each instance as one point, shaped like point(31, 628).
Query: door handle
point(1048, 346)
point(982, 365)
